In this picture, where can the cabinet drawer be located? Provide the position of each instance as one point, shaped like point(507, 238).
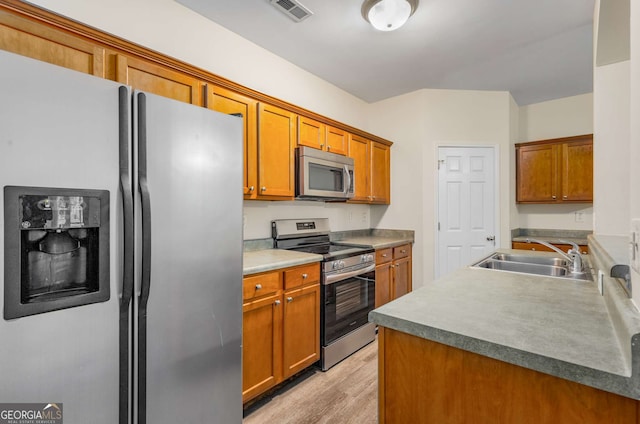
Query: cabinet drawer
point(384, 255)
point(296, 277)
point(261, 285)
point(401, 251)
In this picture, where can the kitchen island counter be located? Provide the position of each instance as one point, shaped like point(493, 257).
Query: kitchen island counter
point(556, 326)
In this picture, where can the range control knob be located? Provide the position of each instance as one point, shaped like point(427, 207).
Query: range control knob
point(366, 258)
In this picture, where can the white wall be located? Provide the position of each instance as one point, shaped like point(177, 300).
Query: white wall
point(564, 117)
point(634, 150)
point(420, 122)
point(611, 164)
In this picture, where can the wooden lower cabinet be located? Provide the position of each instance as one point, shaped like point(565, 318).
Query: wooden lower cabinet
point(584, 249)
point(301, 329)
point(393, 273)
point(280, 328)
point(261, 345)
point(421, 381)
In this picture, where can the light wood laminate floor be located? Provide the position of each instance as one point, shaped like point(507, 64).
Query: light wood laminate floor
point(347, 393)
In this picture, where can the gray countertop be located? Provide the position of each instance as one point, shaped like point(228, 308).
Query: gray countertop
point(269, 259)
point(377, 242)
point(555, 326)
point(257, 259)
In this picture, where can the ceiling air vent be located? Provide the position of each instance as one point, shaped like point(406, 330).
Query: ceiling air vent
point(292, 9)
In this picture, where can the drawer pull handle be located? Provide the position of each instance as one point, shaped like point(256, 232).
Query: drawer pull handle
point(384, 255)
point(304, 276)
point(277, 302)
point(289, 299)
point(403, 251)
point(258, 286)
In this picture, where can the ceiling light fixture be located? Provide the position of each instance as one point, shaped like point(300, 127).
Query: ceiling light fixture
point(388, 15)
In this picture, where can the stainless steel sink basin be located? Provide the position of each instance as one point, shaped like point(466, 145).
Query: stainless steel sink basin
point(529, 259)
point(532, 264)
point(527, 268)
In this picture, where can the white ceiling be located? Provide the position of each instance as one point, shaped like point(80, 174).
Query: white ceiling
point(537, 49)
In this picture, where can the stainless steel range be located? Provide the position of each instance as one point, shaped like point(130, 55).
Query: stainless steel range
point(348, 286)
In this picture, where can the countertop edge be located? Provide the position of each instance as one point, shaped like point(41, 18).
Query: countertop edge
point(618, 384)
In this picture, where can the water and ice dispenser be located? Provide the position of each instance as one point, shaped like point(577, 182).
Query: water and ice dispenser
point(56, 249)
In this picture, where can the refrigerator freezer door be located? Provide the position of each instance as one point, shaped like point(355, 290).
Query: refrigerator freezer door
point(59, 128)
point(190, 328)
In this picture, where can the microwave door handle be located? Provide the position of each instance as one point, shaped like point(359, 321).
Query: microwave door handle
point(348, 179)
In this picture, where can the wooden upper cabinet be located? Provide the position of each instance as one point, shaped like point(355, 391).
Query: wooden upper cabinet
point(537, 173)
point(311, 133)
point(276, 145)
point(229, 102)
point(360, 152)
point(153, 78)
point(577, 171)
point(26, 38)
point(337, 140)
point(380, 173)
point(555, 171)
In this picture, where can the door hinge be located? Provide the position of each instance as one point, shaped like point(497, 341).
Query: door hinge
point(438, 226)
point(440, 162)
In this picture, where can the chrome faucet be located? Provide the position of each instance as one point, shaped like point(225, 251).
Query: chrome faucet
point(573, 255)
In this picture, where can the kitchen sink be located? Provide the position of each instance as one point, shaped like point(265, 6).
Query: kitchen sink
point(529, 264)
point(529, 259)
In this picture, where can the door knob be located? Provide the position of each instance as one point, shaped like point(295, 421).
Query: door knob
point(491, 238)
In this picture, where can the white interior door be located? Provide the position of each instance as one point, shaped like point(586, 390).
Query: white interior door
point(466, 206)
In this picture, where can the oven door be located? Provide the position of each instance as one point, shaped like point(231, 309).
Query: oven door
point(347, 300)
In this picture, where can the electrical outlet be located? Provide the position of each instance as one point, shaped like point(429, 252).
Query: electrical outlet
point(634, 255)
point(579, 216)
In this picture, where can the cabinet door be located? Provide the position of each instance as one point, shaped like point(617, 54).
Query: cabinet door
point(537, 173)
point(584, 249)
point(359, 149)
point(311, 133)
point(380, 173)
point(383, 284)
point(261, 345)
point(20, 36)
point(577, 172)
point(301, 328)
point(229, 102)
point(401, 277)
point(156, 79)
point(276, 143)
point(337, 141)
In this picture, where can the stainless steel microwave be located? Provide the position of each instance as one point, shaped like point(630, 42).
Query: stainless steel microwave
point(323, 176)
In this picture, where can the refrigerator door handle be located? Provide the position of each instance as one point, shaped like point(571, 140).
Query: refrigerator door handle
point(145, 284)
point(124, 100)
point(127, 197)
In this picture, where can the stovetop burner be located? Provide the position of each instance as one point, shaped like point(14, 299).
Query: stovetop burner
point(312, 236)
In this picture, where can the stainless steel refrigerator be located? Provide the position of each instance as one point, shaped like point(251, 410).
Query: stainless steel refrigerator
point(122, 252)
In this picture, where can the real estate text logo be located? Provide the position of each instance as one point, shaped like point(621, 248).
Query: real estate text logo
point(31, 413)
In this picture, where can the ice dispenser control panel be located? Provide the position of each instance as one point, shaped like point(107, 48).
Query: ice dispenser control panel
point(57, 212)
point(56, 249)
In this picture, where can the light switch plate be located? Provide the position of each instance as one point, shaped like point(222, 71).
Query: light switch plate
point(634, 255)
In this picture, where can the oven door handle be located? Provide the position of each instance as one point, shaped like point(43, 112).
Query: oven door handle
point(334, 278)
